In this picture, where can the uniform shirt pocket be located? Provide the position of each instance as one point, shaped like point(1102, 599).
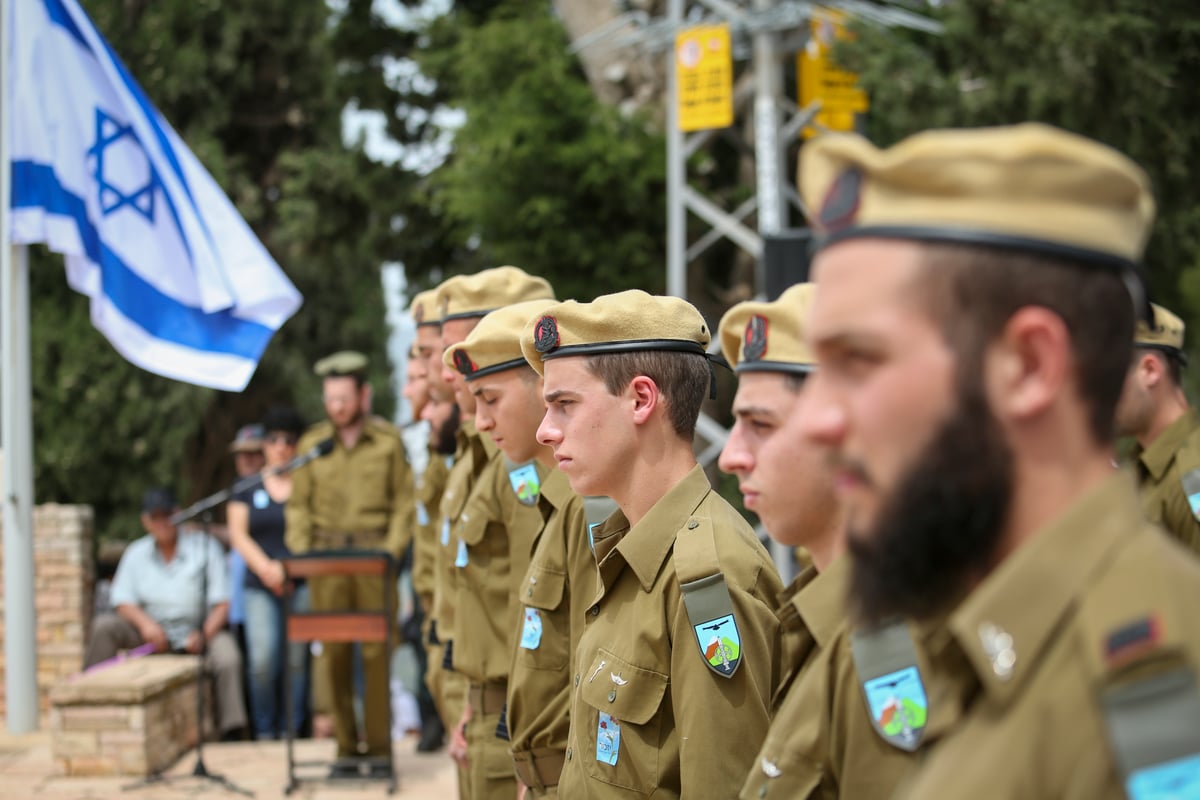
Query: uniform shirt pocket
point(620, 734)
point(542, 597)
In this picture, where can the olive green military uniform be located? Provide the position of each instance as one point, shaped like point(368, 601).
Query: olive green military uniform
point(650, 713)
point(1097, 612)
point(559, 584)
point(475, 451)
point(497, 533)
point(424, 571)
point(821, 743)
point(354, 498)
point(1163, 468)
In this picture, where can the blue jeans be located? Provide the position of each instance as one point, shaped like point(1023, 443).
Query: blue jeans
point(265, 643)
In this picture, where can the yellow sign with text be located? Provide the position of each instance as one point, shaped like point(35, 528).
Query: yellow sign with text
point(821, 79)
point(704, 78)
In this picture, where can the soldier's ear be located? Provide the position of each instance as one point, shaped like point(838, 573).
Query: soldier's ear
point(644, 395)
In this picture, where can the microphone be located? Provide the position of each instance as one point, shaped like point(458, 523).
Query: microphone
point(321, 448)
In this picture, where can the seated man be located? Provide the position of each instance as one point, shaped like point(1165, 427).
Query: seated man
point(157, 597)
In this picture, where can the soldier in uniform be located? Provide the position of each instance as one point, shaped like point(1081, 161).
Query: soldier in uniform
point(674, 671)
point(430, 485)
point(358, 497)
point(470, 504)
point(1155, 411)
point(529, 610)
point(974, 322)
point(821, 742)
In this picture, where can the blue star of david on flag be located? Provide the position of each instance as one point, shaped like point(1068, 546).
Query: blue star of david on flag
point(112, 138)
point(177, 281)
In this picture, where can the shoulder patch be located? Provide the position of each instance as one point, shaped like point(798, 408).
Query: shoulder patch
point(526, 484)
point(886, 662)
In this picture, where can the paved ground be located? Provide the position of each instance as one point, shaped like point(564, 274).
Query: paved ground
point(27, 771)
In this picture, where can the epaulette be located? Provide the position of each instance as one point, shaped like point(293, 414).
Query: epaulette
point(1146, 683)
point(706, 596)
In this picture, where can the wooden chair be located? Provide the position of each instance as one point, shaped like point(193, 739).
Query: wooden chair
point(337, 626)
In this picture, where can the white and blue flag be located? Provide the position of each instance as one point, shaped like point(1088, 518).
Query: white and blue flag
point(178, 282)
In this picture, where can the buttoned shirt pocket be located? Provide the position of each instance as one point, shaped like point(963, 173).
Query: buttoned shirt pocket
point(782, 774)
point(622, 726)
point(545, 620)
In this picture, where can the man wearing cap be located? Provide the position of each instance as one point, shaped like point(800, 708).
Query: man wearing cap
point(1155, 411)
point(973, 321)
point(475, 521)
point(359, 497)
point(821, 742)
point(248, 459)
point(519, 604)
point(430, 485)
point(159, 581)
point(674, 672)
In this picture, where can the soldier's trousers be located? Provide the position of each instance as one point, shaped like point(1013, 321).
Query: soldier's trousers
point(489, 761)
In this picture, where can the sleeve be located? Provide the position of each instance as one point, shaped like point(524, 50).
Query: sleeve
point(218, 572)
point(1179, 519)
point(403, 518)
point(721, 722)
point(298, 513)
point(124, 589)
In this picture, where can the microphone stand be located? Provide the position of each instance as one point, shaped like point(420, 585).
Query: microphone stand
point(203, 509)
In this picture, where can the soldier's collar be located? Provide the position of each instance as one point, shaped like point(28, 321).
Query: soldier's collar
point(1161, 452)
point(822, 603)
point(646, 546)
point(1005, 625)
point(556, 489)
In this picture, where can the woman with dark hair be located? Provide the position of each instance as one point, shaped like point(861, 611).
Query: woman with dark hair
point(256, 530)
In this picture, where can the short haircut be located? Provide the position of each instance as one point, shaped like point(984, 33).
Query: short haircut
point(360, 380)
point(1171, 360)
point(284, 419)
point(973, 291)
point(683, 379)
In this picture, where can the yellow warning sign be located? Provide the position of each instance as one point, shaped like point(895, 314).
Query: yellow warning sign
point(704, 78)
point(821, 79)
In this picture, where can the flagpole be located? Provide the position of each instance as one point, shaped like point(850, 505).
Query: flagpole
point(16, 436)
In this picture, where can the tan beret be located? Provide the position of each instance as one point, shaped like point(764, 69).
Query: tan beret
point(469, 296)
point(495, 344)
point(1167, 332)
point(769, 337)
point(424, 308)
point(346, 362)
point(1028, 187)
point(624, 322)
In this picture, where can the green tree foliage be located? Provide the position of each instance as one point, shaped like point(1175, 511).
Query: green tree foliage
point(1122, 72)
point(543, 175)
point(256, 91)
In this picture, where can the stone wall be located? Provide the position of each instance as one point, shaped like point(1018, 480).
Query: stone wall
point(63, 587)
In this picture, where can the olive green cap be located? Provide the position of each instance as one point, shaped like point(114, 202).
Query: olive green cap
point(471, 296)
point(770, 337)
point(424, 308)
point(1027, 187)
point(1166, 333)
point(495, 343)
point(345, 362)
point(624, 322)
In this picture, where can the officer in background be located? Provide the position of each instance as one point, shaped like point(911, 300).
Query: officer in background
point(430, 485)
point(675, 668)
point(463, 301)
point(359, 497)
point(821, 742)
point(974, 322)
point(513, 605)
point(1154, 410)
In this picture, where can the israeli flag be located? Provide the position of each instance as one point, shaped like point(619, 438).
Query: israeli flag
point(178, 282)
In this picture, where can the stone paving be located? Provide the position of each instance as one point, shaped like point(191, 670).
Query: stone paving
point(27, 771)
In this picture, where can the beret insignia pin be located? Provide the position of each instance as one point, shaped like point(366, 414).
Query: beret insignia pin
point(840, 208)
point(754, 342)
point(545, 334)
point(463, 363)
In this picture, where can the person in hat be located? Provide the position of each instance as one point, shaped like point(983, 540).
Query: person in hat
point(358, 497)
point(159, 580)
point(821, 741)
point(256, 532)
point(973, 321)
point(674, 672)
point(1156, 413)
point(474, 516)
point(248, 459)
point(530, 616)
